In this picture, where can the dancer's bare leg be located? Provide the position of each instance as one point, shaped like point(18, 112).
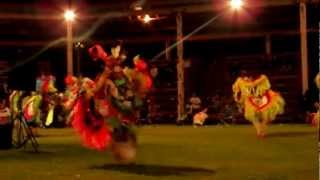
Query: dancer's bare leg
point(34, 131)
point(264, 125)
point(257, 126)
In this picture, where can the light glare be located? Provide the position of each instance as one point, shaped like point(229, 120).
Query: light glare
point(236, 4)
point(69, 15)
point(147, 18)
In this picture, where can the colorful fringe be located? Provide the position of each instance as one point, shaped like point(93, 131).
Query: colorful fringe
point(266, 107)
point(260, 85)
point(115, 97)
point(92, 129)
point(14, 106)
point(31, 108)
point(241, 90)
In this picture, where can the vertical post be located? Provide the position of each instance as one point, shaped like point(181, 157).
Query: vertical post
point(304, 48)
point(69, 48)
point(268, 45)
point(180, 67)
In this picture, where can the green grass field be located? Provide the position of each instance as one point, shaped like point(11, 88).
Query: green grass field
point(174, 152)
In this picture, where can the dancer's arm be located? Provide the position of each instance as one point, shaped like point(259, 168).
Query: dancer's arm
point(263, 80)
point(100, 83)
point(262, 84)
point(97, 52)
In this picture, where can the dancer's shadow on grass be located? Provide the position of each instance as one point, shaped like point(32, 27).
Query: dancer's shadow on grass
point(290, 134)
point(156, 170)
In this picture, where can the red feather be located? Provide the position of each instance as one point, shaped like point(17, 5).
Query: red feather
point(96, 134)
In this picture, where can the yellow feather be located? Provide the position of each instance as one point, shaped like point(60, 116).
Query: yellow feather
point(49, 119)
point(261, 85)
point(241, 89)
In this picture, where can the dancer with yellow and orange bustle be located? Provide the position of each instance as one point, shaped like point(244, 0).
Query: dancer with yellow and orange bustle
point(259, 104)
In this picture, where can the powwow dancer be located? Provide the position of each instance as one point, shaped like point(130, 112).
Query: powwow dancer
point(70, 96)
point(15, 107)
point(45, 86)
point(31, 110)
point(257, 101)
point(25, 112)
point(106, 108)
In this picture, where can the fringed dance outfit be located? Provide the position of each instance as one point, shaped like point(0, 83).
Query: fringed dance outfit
point(257, 101)
point(103, 111)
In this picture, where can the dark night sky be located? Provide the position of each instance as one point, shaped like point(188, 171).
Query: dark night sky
point(207, 52)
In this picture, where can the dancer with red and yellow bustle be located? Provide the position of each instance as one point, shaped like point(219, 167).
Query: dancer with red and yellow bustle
point(259, 104)
point(70, 96)
point(105, 109)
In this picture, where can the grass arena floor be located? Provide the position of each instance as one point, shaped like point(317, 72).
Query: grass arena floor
point(174, 152)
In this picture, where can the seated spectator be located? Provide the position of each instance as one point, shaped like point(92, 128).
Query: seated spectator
point(216, 102)
point(194, 104)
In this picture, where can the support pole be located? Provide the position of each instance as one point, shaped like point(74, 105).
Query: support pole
point(69, 49)
point(180, 68)
point(304, 48)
